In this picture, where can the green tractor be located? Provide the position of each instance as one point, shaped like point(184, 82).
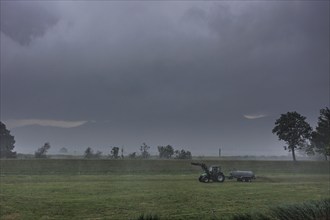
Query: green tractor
point(211, 174)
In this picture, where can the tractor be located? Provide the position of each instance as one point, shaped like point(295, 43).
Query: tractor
point(211, 174)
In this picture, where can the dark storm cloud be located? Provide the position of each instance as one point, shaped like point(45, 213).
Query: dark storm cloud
point(24, 21)
point(189, 73)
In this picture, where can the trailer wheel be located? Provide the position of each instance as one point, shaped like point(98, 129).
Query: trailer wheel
point(221, 178)
point(246, 179)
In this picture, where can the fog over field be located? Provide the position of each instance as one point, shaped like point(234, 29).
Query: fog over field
point(193, 74)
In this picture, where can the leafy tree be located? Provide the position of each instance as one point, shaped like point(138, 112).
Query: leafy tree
point(89, 154)
point(7, 142)
point(114, 153)
point(321, 136)
point(294, 130)
point(165, 151)
point(182, 154)
point(41, 152)
point(144, 149)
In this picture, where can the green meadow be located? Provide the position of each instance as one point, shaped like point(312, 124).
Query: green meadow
point(125, 189)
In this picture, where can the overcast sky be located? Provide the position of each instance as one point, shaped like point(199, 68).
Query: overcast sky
point(196, 75)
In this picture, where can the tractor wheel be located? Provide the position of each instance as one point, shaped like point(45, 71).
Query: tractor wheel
point(204, 179)
point(221, 178)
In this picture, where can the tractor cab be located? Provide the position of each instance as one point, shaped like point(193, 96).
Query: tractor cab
point(215, 169)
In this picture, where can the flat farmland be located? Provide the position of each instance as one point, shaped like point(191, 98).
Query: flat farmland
point(125, 189)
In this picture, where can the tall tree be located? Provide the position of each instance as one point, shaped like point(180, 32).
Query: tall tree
point(41, 152)
point(321, 136)
point(165, 151)
point(294, 130)
point(114, 152)
point(7, 142)
point(145, 151)
point(88, 153)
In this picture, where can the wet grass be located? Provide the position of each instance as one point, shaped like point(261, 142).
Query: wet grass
point(310, 210)
point(166, 193)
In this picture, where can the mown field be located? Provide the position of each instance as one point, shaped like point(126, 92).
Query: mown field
point(125, 189)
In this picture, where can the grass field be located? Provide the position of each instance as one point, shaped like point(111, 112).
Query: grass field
point(124, 189)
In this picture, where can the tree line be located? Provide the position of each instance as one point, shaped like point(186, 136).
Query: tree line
point(7, 142)
point(291, 128)
point(165, 152)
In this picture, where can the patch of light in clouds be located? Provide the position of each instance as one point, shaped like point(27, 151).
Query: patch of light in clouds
point(251, 117)
point(14, 123)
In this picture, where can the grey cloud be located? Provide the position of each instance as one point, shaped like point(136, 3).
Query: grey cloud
point(171, 70)
point(25, 21)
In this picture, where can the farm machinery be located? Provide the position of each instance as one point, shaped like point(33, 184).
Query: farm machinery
point(214, 174)
point(242, 176)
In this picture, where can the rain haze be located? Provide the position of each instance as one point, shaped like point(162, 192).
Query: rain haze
point(196, 75)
